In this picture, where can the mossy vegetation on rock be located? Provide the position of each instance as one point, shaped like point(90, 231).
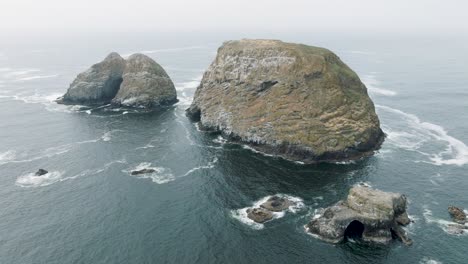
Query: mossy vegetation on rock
point(136, 82)
point(292, 100)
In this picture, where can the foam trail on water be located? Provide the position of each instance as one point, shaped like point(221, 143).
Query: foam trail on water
point(422, 133)
point(427, 260)
point(374, 86)
point(241, 214)
point(210, 165)
point(35, 77)
point(31, 180)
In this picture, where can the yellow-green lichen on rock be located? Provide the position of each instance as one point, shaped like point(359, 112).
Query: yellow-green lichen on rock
point(293, 100)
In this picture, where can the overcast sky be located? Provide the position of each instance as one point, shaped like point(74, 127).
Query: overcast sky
point(210, 15)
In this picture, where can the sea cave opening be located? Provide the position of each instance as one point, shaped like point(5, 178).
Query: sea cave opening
point(354, 230)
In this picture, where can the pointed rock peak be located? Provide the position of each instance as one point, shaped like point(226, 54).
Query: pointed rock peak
point(113, 55)
point(140, 57)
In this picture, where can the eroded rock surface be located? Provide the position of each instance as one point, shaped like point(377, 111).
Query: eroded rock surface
point(259, 215)
point(296, 101)
point(276, 204)
point(98, 85)
point(145, 84)
point(457, 214)
point(374, 211)
point(136, 82)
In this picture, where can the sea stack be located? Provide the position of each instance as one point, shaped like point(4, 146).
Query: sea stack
point(292, 100)
point(368, 214)
point(136, 82)
point(145, 84)
point(97, 85)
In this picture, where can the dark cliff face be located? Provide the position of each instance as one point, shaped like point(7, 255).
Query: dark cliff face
point(292, 100)
point(136, 82)
point(99, 84)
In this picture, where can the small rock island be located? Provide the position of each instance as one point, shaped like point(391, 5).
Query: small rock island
point(368, 214)
point(136, 82)
point(292, 100)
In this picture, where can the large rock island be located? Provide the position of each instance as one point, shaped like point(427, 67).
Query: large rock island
point(136, 82)
point(296, 101)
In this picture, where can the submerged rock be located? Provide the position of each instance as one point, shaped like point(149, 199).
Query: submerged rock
point(98, 85)
point(263, 212)
point(142, 171)
point(296, 101)
point(456, 229)
point(145, 84)
point(41, 172)
point(369, 214)
point(457, 214)
point(276, 204)
point(136, 82)
point(259, 215)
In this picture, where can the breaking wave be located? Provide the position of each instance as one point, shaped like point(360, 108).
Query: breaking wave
point(210, 165)
point(420, 134)
point(374, 86)
point(447, 226)
point(241, 214)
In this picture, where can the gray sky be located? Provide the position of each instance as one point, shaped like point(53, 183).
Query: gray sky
point(208, 15)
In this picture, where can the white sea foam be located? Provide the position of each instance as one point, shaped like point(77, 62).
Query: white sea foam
point(446, 225)
point(35, 77)
point(365, 184)
point(107, 136)
point(7, 156)
point(374, 86)
point(160, 176)
point(210, 165)
point(220, 140)
point(31, 180)
point(422, 133)
point(427, 260)
point(256, 151)
point(185, 101)
point(241, 214)
point(192, 84)
point(12, 73)
point(46, 153)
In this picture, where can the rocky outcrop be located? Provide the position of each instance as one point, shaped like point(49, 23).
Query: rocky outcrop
point(41, 172)
point(369, 214)
point(276, 204)
point(98, 85)
point(143, 171)
point(136, 82)
point(259, 215)
point(291, 100)
point(265, 211)
point(145, 84)
point(457, 214)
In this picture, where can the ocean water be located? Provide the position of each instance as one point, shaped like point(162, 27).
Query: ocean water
point(89, 209)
